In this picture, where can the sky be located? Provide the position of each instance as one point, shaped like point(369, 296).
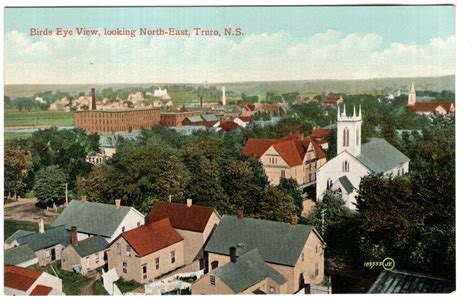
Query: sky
point(279, 43)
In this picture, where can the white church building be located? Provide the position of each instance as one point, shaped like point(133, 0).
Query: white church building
point(354, 160)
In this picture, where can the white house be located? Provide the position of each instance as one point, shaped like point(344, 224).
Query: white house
point(23, 281)
point(96, 219)
point(354, 160)
point(160, 92)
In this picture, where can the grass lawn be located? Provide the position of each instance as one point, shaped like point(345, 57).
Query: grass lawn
point(127, 286)
point(15, 118)
point(10, 226)
point(11, 135)
point(99, 288)
point(72, 282)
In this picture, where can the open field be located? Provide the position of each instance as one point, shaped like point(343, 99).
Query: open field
point(15, 118)
point(10, 226)
point(11, 135)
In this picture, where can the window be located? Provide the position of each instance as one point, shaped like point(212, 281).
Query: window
point(157, 263)
point(398, 172)
point(316, 270)
point(138, 224)
point(125, 267)
point(316, 248)
point(123, 229)
point(283, 173)
point(173, 256)
point(339, 193)
point(345, 137)
point(212, 280)
point(357, 137)
point(128, 250)
point(345, 166)
point(403, 171)
point(329, 184)
point(144, 271)
point(118, 251)
point(302, 256)
point(97, 258)
point(214, 264)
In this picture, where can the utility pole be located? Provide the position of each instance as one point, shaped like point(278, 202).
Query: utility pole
point(67, 200)
point(323, 212)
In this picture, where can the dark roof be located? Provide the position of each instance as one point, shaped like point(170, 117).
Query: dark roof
point(19, 278)
point(91, 246)
point(89, 217)
point(18, 255)
point(53, 236)
point(380, 156)
point(404, 282)
point(277, 242)
point(228, 126)
point(152, 237)
point(430, 106)
point(346, 184)
point(194, 218)
point(248, 270)
point(18, 234)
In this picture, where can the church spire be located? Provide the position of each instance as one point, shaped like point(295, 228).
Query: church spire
point(412, 95)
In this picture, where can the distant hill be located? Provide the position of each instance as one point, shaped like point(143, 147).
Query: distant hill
point(386, 85)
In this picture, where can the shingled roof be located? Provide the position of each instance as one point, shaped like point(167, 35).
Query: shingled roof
point(248, 270)
point(18, 234)
point(380, 156)
point(50, 237)
point(152, 237)
point(193, 218)
point(19, 278)
point(276, 242)
point(404, 282)
point(91, 246)
point(90, 217)
point(18, 255)
point(430, 106)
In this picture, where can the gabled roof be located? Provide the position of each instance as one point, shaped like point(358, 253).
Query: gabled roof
point(53, 236)
point(41, 290)
point(91, 246)
point(152, 237)
point(18, 255)
point(19, 278)
point(276, 242)
point(346, 184)
point(257, 147)
point(321, 133)
point(90, 217)
point(380, 156)
point(248, 270)
point(194, 218)
point(404, 282)
point(194, 119)
point(18, 234)
point(290, 152)
point(210, 117)
point(429, 106)
point(228, 126)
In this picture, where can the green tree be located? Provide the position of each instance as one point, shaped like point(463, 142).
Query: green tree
point(276, 205)
point(290, 187)
point(18, 163)
point(50, 184)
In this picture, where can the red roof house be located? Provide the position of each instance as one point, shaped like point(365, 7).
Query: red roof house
point(23, 281)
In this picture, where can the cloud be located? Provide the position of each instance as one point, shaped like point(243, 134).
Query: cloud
point(263, 56)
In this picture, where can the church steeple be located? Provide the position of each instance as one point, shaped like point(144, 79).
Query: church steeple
point(349, 131)
point(412, 95)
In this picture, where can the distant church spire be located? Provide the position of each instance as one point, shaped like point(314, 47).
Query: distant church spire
point(349, 130)
point(412, 95)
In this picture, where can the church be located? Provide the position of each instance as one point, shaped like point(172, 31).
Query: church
point(354, 160)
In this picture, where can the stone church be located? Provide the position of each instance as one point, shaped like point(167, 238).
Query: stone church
point(354, 160)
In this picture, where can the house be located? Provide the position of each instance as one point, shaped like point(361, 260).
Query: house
point(194, 223)
point(295, 251)
point(247, 274)
point(290, 157)
point(404, 282)
point(84, 256)
point(90, 217)
point(332, 101)
point(228, 126)
point(147, 252)
point(207, 120)
point(243, 121)
point(45, 244)
point(22, 281)
point(22, 256)
point(418, 106)
point(354, 160)
point(17, 234)
point(321, 137)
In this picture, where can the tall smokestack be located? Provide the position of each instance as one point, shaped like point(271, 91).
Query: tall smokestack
point(93, 107)
point(223, 96)
point(74, 235)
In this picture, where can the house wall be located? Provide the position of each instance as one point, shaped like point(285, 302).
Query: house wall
point(132, 220)
point(135, 263)
point(44, 255)
point(90, 263)
point(70, 257)
point(203, 286)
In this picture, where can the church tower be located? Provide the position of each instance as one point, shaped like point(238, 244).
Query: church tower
point(349, 131)
point(412, 95)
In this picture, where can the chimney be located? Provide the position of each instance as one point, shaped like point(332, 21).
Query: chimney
point(169, 198)
point(240, 214)
point(233, 254)
point(93, 106)
point(117, 203)
point(293, 220)
point(41, 226)
point(189, 202)
point(74, 235)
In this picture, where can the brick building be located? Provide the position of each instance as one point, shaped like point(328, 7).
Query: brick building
point(175, 119)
